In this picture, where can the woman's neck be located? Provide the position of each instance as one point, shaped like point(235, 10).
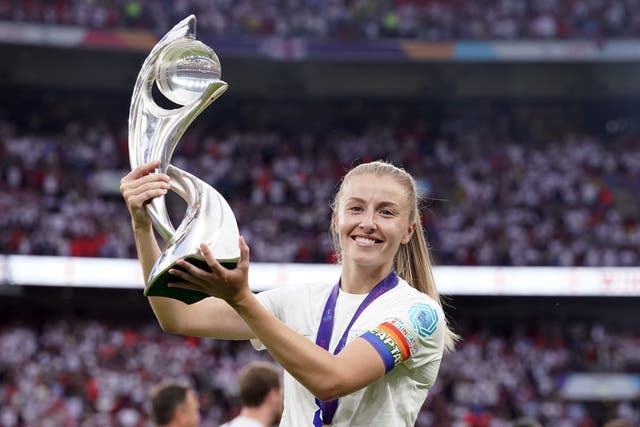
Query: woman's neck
point(360, 280)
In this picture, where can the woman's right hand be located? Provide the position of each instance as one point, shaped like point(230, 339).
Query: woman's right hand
point(141, 185)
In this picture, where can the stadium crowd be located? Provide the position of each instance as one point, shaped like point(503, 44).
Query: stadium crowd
point(95, 373)
point(434, 20)
point(505, 185)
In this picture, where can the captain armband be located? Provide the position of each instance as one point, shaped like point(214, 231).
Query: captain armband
point(394, 341)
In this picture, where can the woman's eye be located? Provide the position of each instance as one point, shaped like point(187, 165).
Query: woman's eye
point(355, 208)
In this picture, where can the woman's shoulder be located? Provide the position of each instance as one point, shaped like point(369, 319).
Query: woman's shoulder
point(410, 294)
point(417, 312)
point(410, 303)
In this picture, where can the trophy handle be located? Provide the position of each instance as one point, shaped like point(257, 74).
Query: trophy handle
point(208, 214)
point(171, 128)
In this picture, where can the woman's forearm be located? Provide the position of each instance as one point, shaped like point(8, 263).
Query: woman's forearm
point(211, 317)
point(147, 247)
point(169, 312)
point(312, 366)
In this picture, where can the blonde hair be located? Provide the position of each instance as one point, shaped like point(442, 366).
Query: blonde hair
point(413, 260)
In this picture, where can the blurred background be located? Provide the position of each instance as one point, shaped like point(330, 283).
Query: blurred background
point(519, 118)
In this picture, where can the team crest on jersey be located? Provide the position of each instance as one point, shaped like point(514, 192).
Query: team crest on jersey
point(424, 319)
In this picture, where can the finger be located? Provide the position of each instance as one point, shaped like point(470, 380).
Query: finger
point(142, 170)
point(141, 195)
point(185, 285)
point(146, 169)
point(137, 190)
point(244, 253)
point(211, 261)
point(181, 274)
point(130, 189)
point(195, 273)
point(153, 177)
point(128, 183)
point(187, 281)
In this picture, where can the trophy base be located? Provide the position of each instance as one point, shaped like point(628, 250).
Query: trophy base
point(158, 286)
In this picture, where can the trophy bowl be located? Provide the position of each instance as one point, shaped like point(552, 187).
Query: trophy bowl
point(185, 70)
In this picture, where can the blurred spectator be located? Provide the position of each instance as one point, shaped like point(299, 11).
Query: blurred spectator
point(260, 395)
point(175, 405)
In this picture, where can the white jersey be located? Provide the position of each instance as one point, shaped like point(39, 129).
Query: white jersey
point(405, 326)
point(242, 422)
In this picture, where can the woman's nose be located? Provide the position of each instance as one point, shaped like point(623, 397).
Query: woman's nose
point(367, 221)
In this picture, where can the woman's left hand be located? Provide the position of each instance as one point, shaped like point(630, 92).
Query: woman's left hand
point(230, 285)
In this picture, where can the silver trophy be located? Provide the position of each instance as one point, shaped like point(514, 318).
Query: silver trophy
point(187, 72)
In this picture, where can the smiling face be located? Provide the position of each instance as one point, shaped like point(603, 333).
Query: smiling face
point(372, 220)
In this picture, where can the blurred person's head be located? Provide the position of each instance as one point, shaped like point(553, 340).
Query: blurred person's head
point(261, 391)
point(175, 405)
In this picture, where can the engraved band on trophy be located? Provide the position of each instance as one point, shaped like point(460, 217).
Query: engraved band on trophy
point(187, 72)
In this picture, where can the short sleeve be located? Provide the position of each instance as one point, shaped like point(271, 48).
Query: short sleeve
point(270, 301)
point(414, 336)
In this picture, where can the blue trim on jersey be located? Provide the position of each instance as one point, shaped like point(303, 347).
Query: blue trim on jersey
point(382, 350)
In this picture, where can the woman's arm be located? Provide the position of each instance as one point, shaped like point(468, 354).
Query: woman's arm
point(327, 376)
point(210, 317)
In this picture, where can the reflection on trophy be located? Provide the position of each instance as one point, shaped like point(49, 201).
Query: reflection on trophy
point(187, 72)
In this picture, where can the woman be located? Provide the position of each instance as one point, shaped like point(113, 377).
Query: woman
point(375, 339)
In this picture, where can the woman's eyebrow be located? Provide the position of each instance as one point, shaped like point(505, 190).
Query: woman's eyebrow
point(355, 199)
point(383, 203)
point(389, 204)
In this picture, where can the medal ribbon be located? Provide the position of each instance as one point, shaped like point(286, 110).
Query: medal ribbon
point(324, 415)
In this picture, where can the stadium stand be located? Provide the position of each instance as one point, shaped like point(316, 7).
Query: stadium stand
point(506, 183)
point(98, 372)
point(348, 20)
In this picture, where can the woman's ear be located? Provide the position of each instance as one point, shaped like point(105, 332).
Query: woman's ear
point(410, 231)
